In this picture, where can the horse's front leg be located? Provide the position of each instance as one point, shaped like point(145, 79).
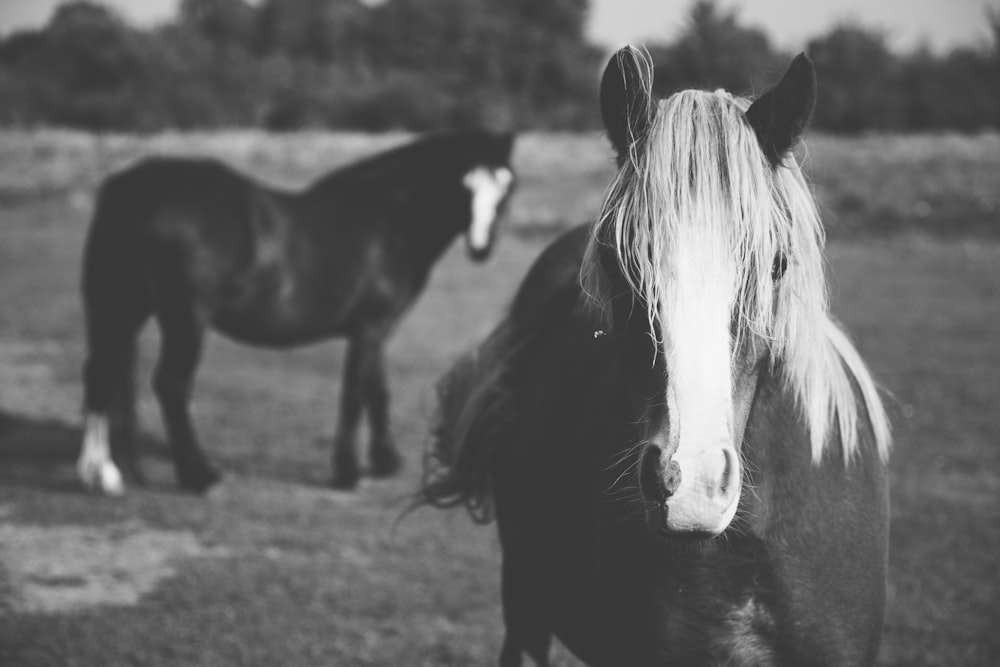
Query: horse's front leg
point(364, 388)
point(383, 455)
point(345, 457)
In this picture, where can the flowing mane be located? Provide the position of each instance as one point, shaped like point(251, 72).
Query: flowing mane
point(699, 173)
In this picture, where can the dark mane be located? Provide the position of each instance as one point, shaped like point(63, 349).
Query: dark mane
point(476, 398)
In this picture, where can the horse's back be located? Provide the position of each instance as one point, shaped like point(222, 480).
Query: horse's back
point(197, 232)
point(174, 202)
point(175, 183)
point(163, 221)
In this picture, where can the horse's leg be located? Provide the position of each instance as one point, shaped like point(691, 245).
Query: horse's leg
point(383, 455)
point(182, 333)
point(524, 633)
point(123, 443)
point(109, 400)
point(345, 458)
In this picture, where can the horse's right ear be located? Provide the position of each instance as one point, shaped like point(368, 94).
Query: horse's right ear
point(781, 115)
point(625, 99)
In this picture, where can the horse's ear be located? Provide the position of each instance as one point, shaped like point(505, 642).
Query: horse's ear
point(780, 116)
point(625, 99)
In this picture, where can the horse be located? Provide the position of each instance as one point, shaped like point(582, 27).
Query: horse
point(684, 454)
point(198, 246)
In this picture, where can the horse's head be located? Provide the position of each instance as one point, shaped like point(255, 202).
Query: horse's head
point(708, 254)
point(490, 182)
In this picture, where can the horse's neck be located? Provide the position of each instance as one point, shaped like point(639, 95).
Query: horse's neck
point(427, 221)
point(777, 452)
point(414, 211)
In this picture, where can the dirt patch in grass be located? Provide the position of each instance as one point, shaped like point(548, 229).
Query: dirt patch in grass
point(57, 569)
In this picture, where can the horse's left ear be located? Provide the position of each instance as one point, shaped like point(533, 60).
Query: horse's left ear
point(625, 99)
point(780, 116)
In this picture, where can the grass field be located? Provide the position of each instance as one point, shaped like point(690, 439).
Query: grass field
point(274, 569)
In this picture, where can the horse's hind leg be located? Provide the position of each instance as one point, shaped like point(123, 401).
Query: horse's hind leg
point(109, 395)
point(182, 333)
point(345, 457)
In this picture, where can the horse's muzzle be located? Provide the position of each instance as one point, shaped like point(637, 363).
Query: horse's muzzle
point(698, 492)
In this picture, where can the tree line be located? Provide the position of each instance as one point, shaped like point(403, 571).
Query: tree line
point(423, 64)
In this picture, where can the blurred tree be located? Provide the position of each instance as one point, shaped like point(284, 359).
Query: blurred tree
point(321, 30)
point(521, 62)
point(90, 48)
point(547, 65)
point(81, 69)
point(715, 51)
point(422, 64)
point(222, 22)
point(859, 80)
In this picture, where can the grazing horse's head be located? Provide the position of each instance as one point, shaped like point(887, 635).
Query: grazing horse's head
point(490, 183)
point(708, 252)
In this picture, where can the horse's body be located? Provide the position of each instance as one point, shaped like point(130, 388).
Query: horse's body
point(569, 424)
point(197, 246)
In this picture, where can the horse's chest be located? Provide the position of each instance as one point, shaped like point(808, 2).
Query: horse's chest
point(737, 634)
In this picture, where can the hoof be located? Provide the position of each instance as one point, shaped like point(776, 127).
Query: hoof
point(345, 475)
point(198, 479)
point(101, 476)
point(385, 462)
point(95, 467)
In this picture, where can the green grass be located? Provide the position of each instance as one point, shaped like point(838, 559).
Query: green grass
point(294, 574)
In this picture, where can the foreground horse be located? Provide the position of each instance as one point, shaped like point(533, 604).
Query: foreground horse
point(684, 454)
point(197, 245)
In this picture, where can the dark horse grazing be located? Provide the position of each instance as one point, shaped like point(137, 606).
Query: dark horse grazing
point(196, 245)
point(684, 454)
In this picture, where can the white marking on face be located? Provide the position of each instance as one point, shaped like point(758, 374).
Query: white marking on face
point(698, 350)
point(488, 187)
point(96, 469)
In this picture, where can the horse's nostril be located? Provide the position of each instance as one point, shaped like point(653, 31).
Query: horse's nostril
point(726, 471)
point(656, 482)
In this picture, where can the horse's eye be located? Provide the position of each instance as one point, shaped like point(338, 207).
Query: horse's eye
point(779, 267)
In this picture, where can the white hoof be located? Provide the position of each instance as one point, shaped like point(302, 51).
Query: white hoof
point(102, 476)
point(96, 469)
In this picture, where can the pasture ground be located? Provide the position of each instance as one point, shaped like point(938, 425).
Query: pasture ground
point(272, 568)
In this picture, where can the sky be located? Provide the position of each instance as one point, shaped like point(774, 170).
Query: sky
point(942, 24)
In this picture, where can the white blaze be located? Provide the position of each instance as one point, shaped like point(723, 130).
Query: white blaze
point(95, 467)
point(488, 187)
point(697, 345)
